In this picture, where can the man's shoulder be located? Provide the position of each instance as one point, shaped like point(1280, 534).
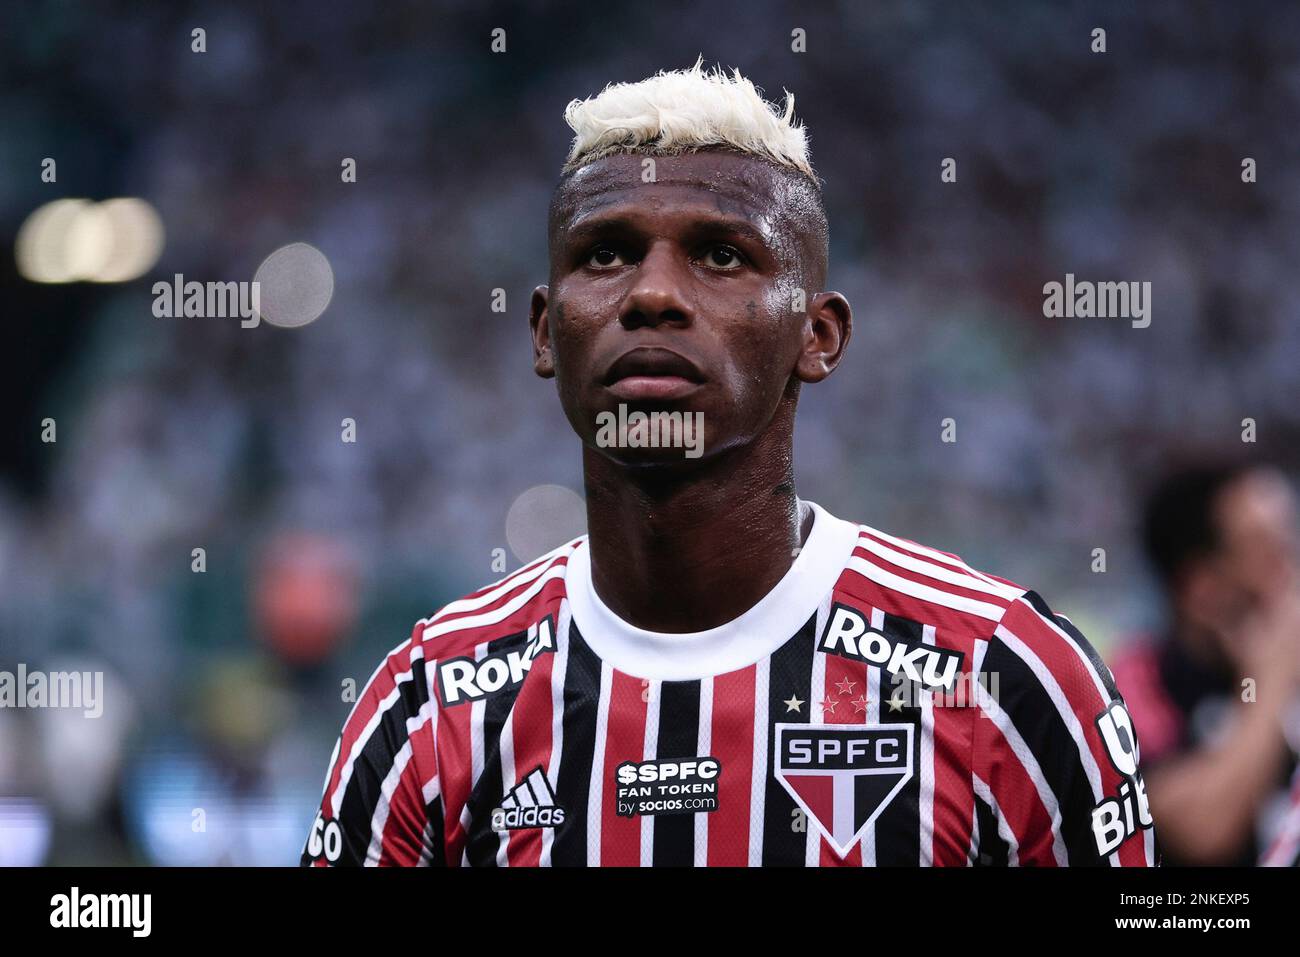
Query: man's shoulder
point(919, 583)
point(511, 605)
point(907, 579)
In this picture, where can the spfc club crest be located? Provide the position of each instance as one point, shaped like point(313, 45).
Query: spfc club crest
point(843, 775)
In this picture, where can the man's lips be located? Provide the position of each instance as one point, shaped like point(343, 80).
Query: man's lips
point(652, 373)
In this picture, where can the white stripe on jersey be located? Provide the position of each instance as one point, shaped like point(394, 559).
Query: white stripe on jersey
point(595, 791)
point(559, 667)
point(926, 858)
point(1030, 763)
point(976, 667)
point(476, 748)
point(703, 745)
point(932, 554)
point(507, 751)
point(431, 788)
point(944, 573)
point(389, 785)
point(867, 843)
point(498, 614)
point(880, 576)
point(873, 673)
point(985, 794)
point(650, 751)
point(345, 775)
point(1064, 709)
point(817, 694)
point(758, 775)
point(1100, 685)
point(502, 587)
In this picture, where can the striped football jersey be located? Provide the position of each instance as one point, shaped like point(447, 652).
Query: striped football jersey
point(883, 704)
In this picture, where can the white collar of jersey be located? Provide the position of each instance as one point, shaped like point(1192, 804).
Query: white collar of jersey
point(739, 643)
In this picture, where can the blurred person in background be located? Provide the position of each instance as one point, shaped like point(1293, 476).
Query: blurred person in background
point(1215, 697)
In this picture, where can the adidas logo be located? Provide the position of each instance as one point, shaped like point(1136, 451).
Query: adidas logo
point(530, 803)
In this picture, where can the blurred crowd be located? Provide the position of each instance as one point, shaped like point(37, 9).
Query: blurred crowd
point(226, 686)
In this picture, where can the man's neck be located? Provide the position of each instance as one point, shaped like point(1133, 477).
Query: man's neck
point(689, 551)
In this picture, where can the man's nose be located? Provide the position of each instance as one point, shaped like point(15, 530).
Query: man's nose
point(658, 293)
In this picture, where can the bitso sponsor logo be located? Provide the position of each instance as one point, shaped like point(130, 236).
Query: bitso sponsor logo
point(1121, 815)
point(470, 679)
point(843, 775)
point(530, 803)
point(669, 786)
point(847, 634)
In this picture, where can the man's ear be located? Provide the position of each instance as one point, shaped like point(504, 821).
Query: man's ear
point(828, 326)
point(539, 323)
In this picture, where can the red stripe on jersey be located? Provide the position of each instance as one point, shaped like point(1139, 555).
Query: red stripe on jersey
point(561, 555)
point(620, 837)
point(818, 792)
point(456, 768)
point(1017, 799)
point(954, 795)
point(466, 638)
point(919, 550)
point(531, 727)
point(861, 591)
point(931, 555)
point(920, 578)
point(846, 682)
point(1061, 655)
point(381, 685)
point(400, 845)
point(732, 737)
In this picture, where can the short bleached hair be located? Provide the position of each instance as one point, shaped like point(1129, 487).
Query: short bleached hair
point(679, 111)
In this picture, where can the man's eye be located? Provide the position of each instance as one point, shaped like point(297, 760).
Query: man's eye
point(604, 257)
point(722, 257)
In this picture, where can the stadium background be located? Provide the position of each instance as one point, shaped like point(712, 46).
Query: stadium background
point(224, 688)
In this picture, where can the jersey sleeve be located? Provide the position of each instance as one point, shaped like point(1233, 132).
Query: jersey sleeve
point(1054, 752)
point(381, 803)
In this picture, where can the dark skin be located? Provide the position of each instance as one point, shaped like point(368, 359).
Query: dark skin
point(696, 275)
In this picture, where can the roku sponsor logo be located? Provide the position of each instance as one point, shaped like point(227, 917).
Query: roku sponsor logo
point(848, 635)
point(470, 679)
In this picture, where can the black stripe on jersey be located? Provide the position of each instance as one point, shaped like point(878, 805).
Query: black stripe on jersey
point(1033, 713)
point(790, 673)
point(573, 781)
point(1107, 679)
point(992, 850)
point(488, 793)
point(679, 729)
point(373, 764)
point(436, 835)
point(898, 828)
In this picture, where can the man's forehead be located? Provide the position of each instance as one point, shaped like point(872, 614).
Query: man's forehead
point(729, 183)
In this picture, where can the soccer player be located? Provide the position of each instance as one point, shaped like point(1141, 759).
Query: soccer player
point(721, 673)
point(1216, 696)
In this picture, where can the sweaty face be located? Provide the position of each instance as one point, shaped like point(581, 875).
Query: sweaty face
point(679, 295)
